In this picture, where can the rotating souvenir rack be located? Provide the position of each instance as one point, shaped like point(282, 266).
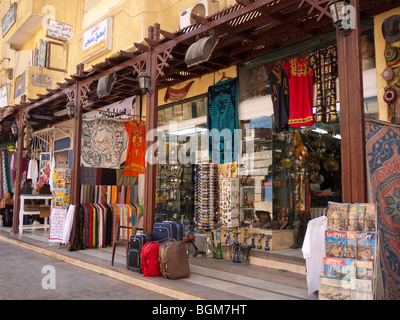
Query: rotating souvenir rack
point(206, 196)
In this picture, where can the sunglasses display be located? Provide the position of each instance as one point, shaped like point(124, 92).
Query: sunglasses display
point(206, 196)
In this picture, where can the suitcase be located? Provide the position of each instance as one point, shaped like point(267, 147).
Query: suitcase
point(174, 260)
point(163, 231)
point(136, 243)
point(149, 258)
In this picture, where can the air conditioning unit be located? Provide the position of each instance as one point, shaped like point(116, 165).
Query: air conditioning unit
point(202, 8)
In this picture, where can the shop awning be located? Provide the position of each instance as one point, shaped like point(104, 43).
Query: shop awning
point(246, 30)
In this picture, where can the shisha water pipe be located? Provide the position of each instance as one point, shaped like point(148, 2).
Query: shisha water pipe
point(228, 244)
point(218, 252)
point(267, 238)
point(252, 241)
point(236, 253)
point(260, 236)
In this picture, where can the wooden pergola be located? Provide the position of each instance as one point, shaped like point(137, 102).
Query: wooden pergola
point(246, 30)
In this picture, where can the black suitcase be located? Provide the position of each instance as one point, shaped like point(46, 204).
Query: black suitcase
point(136, 242)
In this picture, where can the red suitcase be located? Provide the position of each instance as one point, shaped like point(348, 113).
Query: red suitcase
point(149, 255)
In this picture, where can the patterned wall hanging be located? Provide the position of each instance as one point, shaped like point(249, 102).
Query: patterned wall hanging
point(104, 142)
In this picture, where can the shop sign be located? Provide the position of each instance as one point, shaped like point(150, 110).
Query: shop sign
point(58, 30)
point(121, 110)
point(9, 19)
point(4, 96)
point(19, 88)
point(97, 40)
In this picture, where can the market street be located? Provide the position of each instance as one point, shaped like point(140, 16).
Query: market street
point(26, 275)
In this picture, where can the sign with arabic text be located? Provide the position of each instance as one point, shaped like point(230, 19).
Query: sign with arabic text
point(9, 19)
point(97, 40)
point(58, 30)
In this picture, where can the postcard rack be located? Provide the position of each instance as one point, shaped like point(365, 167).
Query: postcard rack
point(350, 266)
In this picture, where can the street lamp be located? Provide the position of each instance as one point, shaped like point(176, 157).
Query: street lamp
point(145, 83)
point(15, 129)
point(338, 12)
point(71, 110)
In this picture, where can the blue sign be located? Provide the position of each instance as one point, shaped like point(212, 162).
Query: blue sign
point(9, 19)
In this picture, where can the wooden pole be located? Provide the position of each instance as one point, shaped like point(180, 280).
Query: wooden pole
point(17, 193)
point(151, 123)
point(354, 177)
point(76, 154)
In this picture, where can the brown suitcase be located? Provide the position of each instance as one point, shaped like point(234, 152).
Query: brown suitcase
point(174, 260)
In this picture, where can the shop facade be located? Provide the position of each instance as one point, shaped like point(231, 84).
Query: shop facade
point(280, 178)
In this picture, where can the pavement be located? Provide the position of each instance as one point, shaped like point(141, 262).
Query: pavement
point(210, 279)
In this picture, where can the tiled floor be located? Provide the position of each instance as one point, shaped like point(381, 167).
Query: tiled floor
point(210, 278)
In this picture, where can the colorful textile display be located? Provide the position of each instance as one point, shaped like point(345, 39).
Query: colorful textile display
point(383, 156)
point(95, 225)
point(103, 143)
point(135, 157)
point(324, 64)
point(109, 194)
point(222, 120)
point(300, 77)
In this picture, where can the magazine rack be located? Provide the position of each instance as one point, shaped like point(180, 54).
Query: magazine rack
point(349, 269)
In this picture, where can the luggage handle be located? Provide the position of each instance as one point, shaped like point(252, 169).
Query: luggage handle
point(162, 240)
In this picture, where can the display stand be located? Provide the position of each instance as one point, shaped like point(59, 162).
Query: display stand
point(229, 201)
point(350, 265)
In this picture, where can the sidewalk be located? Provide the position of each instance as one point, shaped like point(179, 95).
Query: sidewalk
point(210, 279)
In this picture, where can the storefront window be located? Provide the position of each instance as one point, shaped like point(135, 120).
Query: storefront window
point(183, 124)
point(255, 173)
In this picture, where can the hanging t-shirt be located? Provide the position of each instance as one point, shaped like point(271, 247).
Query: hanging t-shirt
point(280, 97)
point(301, 92)
point(135, 157)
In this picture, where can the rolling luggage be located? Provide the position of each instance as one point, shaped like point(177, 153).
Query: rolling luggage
point(174, 260)
point(163, 231)
point(149, 256)
point(136, 243)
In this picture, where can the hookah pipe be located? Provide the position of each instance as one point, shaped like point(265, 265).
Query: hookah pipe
point(267, 238)
point(218, 253)
point(260, 236)
point(228, 243)
point(245, 238)
point(236, 253)
point(252, 241)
